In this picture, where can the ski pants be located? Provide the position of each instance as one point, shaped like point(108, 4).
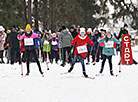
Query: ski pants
point(103, 63)
point(81, 59)
point(68, 50)
point(18, 55)
point(54, 54)
point(33, 52)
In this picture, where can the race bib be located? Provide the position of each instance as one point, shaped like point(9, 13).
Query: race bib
point(82, 49)
point(54, 42)
point(28, 41)
point(109, 44)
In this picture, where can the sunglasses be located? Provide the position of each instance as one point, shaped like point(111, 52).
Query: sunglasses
point(82, 32)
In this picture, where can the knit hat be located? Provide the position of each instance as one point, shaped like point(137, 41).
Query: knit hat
point(89, 30)
point(103, 30)
point(8, 31)
point(82, 31)
point(125, 25)
point(96, 30)
point(1, 28)
point(109, 32)
point(63, 27)
point(54, 34)
point(28, 27)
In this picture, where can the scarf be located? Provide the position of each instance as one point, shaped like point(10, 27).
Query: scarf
point(28, 35)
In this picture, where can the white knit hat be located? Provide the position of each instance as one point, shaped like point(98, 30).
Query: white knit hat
point(89, 30)
point(82, 31)
point(1, 28)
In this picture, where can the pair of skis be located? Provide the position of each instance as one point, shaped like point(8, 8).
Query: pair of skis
point(82, 76)
point(97, 75)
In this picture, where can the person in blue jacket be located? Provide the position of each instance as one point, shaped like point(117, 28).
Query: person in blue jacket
point(108, 50)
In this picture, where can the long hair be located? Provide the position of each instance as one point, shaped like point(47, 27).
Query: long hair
point(106, 38)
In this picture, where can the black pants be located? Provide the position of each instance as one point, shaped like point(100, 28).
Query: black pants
point(68, 50)
point(1, 55)
point(17, 52)
point(95, 55)
point(54, 54)
point(81, 59)
point(45, 56)
point(88, 56)
point(33, 52)
point(110, 63)
point(101, 50)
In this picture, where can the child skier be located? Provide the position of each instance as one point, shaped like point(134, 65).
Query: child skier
point(54, 50)
point(46, 47)
point(81, 46)
point(108, 51)
point(29, 45)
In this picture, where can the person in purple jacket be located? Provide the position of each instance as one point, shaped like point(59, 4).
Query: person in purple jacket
point(30, 47)
point(54, 50)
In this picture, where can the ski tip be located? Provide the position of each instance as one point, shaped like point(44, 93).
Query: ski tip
point(114, 75)
point(89, 77)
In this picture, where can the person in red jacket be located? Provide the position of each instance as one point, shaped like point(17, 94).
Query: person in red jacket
point(80, 43)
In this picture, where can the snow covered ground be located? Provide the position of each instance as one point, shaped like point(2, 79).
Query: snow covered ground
point(71, 87)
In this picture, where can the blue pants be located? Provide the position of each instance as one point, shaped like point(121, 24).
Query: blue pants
point(81, 59)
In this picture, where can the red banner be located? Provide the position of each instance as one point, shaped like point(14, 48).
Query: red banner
point(126, 52)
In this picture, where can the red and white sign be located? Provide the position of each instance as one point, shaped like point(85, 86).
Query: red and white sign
point(126, 54)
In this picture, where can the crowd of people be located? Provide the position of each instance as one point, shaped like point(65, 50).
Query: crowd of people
point(66, 45)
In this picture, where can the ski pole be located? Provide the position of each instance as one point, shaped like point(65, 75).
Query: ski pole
point(120, 64)
point(21, 66)
point(46, 61)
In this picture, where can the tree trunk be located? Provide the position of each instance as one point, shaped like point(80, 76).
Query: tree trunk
point(29, 11)
point(36, 13)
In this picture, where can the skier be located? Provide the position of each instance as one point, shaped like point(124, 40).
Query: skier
point(108, 51)
point(89, 33)
point(54, 50)
point(80, 43)
point(65, 38)
point(29, 45)
point(103, 32)
point(95, 50)
point(124, 31)
point(46, 47)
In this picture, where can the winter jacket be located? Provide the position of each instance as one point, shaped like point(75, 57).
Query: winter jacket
point(46, 48)
point(65, 37)
point(54, 42)
point(89, 46)
point(13, 41)
point(2, 40)
point(28, 47)
point(95, 41)
point(108, 48)
point(102, 43)
point(36, 42)
point(74, 33)
point(78, 41)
